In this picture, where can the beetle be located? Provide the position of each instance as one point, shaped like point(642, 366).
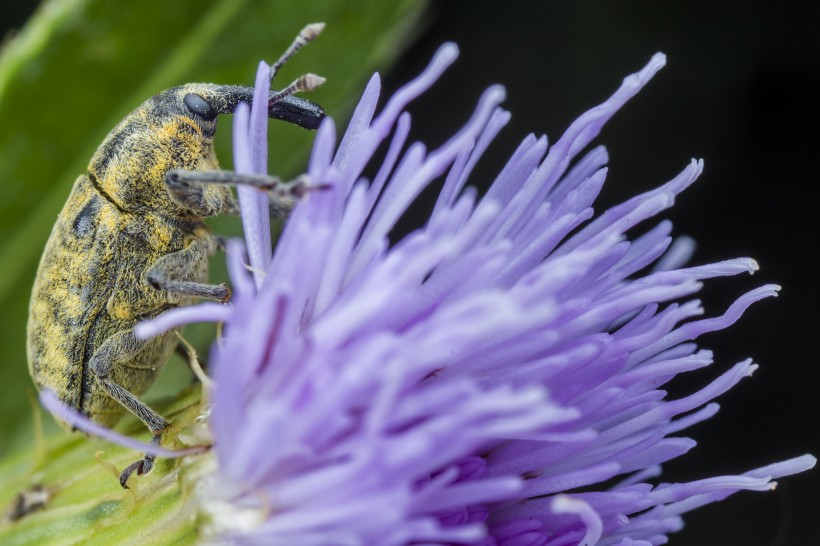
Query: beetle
point(130, 243)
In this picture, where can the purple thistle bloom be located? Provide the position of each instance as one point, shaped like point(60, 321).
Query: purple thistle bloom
point(459, 386)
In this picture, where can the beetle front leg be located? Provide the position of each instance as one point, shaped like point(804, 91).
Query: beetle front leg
point(120, 348)
point(281, 194)
point(203, 199)
point(282, 198)
point(168, 272)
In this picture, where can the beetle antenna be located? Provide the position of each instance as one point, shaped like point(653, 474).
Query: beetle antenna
point(306, 35)
point(305, 82)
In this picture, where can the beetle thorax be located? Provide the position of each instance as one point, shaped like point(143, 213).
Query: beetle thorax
point(130, 166)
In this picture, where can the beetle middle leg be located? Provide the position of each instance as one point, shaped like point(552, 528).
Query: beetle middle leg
point(169, 270)
point(119, 349)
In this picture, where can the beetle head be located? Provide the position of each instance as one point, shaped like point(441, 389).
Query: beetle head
point(175, 130)
point(204, 102)
point(199, 104)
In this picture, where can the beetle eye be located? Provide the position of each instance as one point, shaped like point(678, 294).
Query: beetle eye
point(199, 106)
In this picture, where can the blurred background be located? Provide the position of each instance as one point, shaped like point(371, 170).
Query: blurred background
point(740, 90)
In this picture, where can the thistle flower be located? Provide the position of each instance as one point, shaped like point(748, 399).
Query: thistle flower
point(491, 378)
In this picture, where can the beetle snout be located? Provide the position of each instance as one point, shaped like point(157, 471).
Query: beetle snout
point(301, 112)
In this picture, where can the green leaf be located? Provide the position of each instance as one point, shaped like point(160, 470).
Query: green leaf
point(80, 66)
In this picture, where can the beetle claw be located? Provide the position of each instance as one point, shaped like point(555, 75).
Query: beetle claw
point(143, 466)
point(127, 473)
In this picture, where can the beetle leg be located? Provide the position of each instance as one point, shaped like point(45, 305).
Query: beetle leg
point(281, 200)
point(142, 466)
point(281, 194)
point(120, 348)
point(167, 272)
point(199, 198)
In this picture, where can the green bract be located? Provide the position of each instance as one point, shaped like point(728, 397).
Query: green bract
point(86, 505)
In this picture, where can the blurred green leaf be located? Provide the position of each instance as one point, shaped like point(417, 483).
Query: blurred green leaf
point(80, 66)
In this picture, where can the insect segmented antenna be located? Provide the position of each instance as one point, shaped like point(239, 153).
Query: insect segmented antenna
point(306, 35)
point(281, 104)
point(305, 82)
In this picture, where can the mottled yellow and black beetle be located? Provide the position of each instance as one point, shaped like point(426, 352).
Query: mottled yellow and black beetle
point(130, 243)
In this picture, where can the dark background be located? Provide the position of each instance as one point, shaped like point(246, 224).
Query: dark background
point(741, 91)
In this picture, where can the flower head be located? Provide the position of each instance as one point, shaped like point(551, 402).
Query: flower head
point(494, 377)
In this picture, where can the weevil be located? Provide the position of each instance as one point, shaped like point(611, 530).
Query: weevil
point(131, 242)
